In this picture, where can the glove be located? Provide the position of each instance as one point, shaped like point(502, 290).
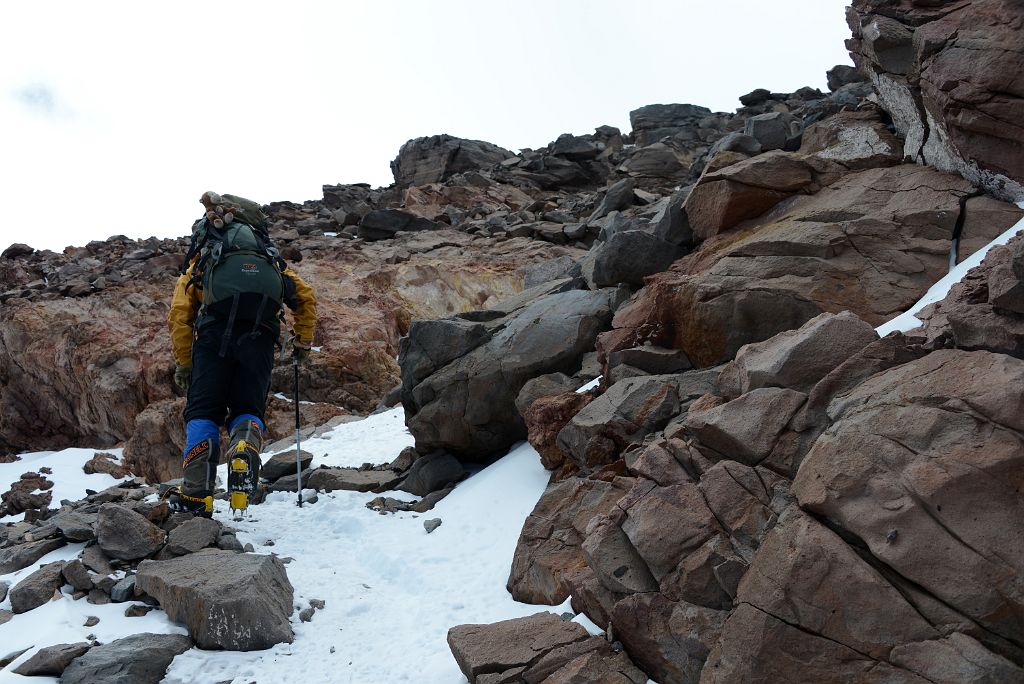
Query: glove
point(300, 350)
point(182, 376)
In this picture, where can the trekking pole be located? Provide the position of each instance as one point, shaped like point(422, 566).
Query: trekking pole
point(298, 437)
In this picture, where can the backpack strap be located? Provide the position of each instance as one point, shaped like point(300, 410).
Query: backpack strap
point(226, 339)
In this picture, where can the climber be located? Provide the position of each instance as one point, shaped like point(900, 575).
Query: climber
point(224, 322)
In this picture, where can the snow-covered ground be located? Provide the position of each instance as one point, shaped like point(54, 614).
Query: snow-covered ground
point(391, 590)
point(69, 480)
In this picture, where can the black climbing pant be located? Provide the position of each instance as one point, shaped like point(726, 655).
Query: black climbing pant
point(230, 376)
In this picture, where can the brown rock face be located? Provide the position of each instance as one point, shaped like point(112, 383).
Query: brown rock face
point(871, 243)
point(80, 370)
point(949, 73)
point(923, 463)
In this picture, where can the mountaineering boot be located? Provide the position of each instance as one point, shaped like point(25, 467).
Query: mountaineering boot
point(244, 463)
point(195, 495)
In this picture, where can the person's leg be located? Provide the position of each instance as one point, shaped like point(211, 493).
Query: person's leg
point(247, 397)
point(204, 411)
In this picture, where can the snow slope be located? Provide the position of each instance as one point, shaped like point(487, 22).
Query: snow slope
point(391, 590)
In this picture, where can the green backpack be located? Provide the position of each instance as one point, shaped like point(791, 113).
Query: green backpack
point(240, 273)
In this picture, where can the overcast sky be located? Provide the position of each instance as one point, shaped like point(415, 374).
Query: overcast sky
point(116, 116)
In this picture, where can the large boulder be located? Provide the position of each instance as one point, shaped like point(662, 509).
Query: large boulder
point(949, 78)
point(627, 257)
point(137, 659)
point(37, 589)
point(439, 157)
point(233, 601)
point(381, 224)
point(467, 406)
point(653, 122)
point(922, 463)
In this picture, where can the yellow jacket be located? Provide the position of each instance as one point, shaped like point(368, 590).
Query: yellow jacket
point(186, 302)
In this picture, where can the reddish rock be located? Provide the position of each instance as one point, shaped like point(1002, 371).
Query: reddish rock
point(28, 493)
point(546, 417)
point(670, 641)
point(104, 463)
point(797, 359)
point(922, 463)
point(548, 550)
point(871, 243)
point(948, 75)
point(745, 429)
point(517, 643)
point(661, 544)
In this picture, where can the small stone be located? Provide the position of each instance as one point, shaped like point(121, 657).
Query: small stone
point(431, 525)
point(124, 590)
point(317, 603)
point(98, 598)
point(5, 616)
point(4, 586)
point(92, 621)
point(51, 661)
point(136, 610)
point(11, 657)
point(306, 614)
point(249, 548)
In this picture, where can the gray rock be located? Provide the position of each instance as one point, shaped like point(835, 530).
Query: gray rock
point(234, 601)
point(432, 472)
point(433, 344)
point(51, 661)
point(617, 198)
point(124, 590)
point(124, 534)
point(841, 75)
point(755, 97)
point(36, 589)
point(430, 500)
point(651, 359)
point(229, 542)
point(5, 616)
point(138, 659)
point(306, 614)
point(547, 385)
point(671, 223)
point(11, 657)
point(23, 555)
point(351, 480)
point(614, 560)
point(431, 525)
point(771, 130)
point(438, 157)
point(382, 224)
point(467, 407)
point(91, 621)
point(736, 142)
point(626, 258)
point(192, 535)
point(76, 526)
point(97, 561)
point(16, 250)
point(653, 122)
point(4, 586)
point(136, 610)
point(279, 465)
point(77, 576)
point(552, 269)
point(289, 483)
